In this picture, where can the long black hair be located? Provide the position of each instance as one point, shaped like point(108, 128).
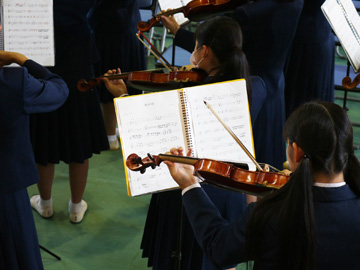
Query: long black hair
point(223, 35)
point(324, 133)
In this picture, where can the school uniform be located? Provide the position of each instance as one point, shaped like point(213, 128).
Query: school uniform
point(337, 226)
point(75, 131)
point(24, 90)
point(309, 72)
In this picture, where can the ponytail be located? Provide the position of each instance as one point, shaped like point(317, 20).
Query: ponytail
point(292, 209)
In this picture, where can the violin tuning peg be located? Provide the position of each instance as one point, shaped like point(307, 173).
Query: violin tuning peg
point(142, 171)
point(150, 156)
point(138, 161)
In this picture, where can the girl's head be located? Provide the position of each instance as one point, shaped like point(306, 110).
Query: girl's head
point(324, 134)
point(321, 132)
point(218, 49)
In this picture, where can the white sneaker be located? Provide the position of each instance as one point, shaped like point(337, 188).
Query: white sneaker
point(45, 212)
point(76, 216)
point(114, 145)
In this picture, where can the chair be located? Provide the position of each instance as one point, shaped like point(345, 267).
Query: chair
point(148, 9)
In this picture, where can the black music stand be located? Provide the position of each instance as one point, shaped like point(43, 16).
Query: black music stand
point(51, 253)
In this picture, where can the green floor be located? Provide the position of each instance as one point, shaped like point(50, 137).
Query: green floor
point(109, 236)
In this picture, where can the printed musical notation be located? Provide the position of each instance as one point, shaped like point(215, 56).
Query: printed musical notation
point(345, 22)
point(233, 109)
point(155, 123)
point(150, 123)
point(28, 29)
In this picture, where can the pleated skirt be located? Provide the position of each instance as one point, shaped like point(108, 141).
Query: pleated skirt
point(19, 246)
point(75, 131)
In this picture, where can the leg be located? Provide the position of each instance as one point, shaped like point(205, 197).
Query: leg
point(46, 174)
point(78, 173)
point(43, 203)
point(108, 110)
point(109, 116)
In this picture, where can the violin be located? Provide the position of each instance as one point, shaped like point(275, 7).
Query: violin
point(233, 176)
point(348, 84)
point(195, 10)
point(150, 79)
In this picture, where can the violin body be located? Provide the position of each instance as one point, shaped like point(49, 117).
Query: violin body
point(221, 174)
point(228, 176)
point(195, 10)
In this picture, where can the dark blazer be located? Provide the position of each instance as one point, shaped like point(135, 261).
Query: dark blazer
point(337, 222)
point(268, 28)
point(24, 90)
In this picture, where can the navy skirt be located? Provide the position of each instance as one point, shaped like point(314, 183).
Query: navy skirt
point(76, 130)
point(19, 246)
point(167, 229)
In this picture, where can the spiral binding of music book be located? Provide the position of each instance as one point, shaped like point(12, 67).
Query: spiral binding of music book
point(156, 122)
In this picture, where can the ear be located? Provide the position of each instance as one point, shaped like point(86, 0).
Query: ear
point(298, 152)
point(206, 51)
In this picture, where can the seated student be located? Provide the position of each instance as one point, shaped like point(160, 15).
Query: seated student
point(312, 222)
point(218, 51)
point(28, 89)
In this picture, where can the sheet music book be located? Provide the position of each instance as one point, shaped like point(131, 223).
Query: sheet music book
point(345, 22)
point(156, 122)
point(172, 4)
point(27, 27)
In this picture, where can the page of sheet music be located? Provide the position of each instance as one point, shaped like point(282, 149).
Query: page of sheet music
point(211, 140)
point(345, 22)
point(149, 123)
point(352, 13)
point(172, 4)
point(28, 29)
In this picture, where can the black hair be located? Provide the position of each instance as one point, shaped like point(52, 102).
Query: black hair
point(324, 132)
point(223, 35)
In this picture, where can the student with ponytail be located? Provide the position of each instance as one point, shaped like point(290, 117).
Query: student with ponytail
point(310, 223)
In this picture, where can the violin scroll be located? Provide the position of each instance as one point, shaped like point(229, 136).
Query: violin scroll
point(348, 84)
point(135, 163)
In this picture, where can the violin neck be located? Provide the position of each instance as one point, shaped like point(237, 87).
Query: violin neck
point(116, 76)
point(172, 12)
point(178, 159)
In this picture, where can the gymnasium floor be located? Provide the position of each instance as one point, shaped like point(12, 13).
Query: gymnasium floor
point(109, 236)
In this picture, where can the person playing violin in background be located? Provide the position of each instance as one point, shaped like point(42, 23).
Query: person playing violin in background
point(218, 51)
point(114, 26)
point(307, 224)
point(268, 28)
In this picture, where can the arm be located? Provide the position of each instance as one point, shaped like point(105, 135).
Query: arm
point(43, 90)
point(224, 243)
point(183, 38)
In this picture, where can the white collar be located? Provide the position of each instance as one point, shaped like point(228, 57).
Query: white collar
point(329, 185)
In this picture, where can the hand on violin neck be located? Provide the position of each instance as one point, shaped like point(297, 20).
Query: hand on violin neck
point(116, 87)
point(170, 23)
point(181, 173)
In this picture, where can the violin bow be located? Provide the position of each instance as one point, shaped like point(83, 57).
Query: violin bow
point(234, 136)
point(155, 54)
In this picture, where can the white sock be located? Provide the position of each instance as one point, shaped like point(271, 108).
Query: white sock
point(74, 207)
point(111, 138)
point(45, 203)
